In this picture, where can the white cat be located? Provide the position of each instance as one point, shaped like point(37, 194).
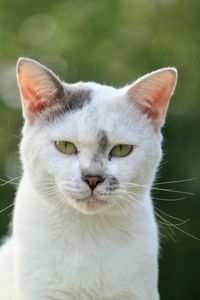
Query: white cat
point(83, 225)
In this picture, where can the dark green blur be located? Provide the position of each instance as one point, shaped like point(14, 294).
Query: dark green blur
point(113, 42)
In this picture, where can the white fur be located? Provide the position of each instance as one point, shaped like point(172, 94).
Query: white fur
point(65, 249)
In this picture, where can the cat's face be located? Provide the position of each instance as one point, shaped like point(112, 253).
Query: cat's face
point(91, 146)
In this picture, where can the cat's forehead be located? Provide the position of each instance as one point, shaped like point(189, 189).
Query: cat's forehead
point(103, 118)
point(76, 97)
point(82, 93)
point(99, 105)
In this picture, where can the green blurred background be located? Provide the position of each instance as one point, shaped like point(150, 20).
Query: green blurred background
point(115, 41)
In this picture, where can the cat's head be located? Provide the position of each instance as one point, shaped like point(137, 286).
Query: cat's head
point(91, 146)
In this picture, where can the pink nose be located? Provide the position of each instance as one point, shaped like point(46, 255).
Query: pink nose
point(93, 180)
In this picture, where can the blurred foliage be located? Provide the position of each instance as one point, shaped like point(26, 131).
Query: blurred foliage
point(115, 41)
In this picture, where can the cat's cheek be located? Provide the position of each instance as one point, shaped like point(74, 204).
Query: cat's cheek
point(72, 189)
point(122, 168)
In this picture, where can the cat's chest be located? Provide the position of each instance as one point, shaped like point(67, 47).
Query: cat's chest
point(98, 269)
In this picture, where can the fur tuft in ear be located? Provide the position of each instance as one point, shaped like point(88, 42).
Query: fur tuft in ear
point(152, 94)
point(39, 87)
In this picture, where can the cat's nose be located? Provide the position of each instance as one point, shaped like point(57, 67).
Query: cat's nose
point(93, 180)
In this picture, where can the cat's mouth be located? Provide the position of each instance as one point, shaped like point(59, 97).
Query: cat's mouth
point(91, 203)
point(92, 200)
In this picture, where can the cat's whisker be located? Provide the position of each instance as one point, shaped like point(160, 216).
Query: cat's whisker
point(11, 177)
point(47, 183)
point(7, 207)
point(128, 194)
point(162, 226)
point(166, 222)
point(163, 236)
point(176, 181)
point(5, 182)
point(58, 204)
point(127, 201)
point(168, 199)
point(176, 226)
point(157, 188)
point(172, 191)
point(51, 193)
point(120, 203)
point(172, 217)
point(48, 190)
point(136, 184)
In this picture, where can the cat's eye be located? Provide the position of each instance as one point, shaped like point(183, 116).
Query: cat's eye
point(120, 150)
point(66, 147)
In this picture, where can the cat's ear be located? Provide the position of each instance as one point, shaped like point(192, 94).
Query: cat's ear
point(152, 94)
point(39, 87)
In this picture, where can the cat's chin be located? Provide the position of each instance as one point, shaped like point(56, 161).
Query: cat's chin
point(90, 205)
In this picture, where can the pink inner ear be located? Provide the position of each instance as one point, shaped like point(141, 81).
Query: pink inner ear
point(153, 92)
point(39, 87)
point(31, 93)
point(156, 106)
point(35, 98)
point(151, 111)
point(32, 100)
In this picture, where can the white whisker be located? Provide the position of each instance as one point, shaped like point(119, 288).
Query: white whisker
point(4, 209)
point(168, 199)
point(175, 218)
point(176, 181)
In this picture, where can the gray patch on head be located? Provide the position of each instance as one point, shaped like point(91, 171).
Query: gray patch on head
point(102, 141)
point(76, 98)
point(102, 145)
point(67, 99)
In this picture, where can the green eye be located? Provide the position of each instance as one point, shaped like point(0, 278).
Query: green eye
point(121, 150)
point(66, 147)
